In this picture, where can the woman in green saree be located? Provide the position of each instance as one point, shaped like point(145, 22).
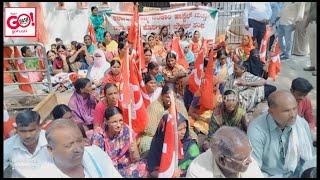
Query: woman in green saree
point(98, 23)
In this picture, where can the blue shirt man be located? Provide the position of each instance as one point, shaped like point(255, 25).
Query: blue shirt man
point(274, 134)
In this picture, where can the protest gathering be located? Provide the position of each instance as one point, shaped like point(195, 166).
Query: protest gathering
point(132, 90)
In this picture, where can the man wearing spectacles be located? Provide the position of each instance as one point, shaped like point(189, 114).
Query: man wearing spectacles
point(228, 157)
point(281, 140)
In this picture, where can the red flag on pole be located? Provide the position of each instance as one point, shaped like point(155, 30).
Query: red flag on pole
point(126, 74)
point(91, 32)
point(208, 98)
point(133, 103)
point(264, 44)
point(169, 156)
point(133, 30)
point(274, 63)
point(22, 77)
point(180, 54)
point(196, 74)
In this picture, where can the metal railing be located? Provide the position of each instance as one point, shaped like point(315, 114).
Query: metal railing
point(43, 56)
point(229, 19)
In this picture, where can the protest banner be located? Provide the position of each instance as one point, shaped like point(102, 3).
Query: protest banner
point(201, 18)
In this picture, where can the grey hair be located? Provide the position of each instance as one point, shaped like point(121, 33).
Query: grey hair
point(59, 124)
point(225, 143)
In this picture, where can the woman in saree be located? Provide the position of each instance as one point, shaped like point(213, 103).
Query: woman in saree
point(245, 47)
point(174, 73)
point(154, 69)
point(227, 113)
point(223, 68)
point(83, 102)
point(98, 24)
point(196, 43)
point(186, 144)
point(111, 46)
point(114, 139)
point(89, 45)
point(164, 33)
point(153, 90)
point(113, 75)
point(110, 99)
point(252, 89)
point(157, 48)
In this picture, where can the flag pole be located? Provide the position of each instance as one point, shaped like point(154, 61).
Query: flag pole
point(174, 114)
point(130, 121)
point(138, 48)
point(130, 101)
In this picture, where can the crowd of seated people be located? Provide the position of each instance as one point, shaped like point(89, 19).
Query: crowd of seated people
point(88, 136)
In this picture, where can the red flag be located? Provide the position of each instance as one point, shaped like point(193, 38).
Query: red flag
point(125, 75)
point(91, 32)
point(22, 77)
point(133, 30)
point(195, 77)
point(142, 61)
point(208, 98)
point(180, 54)
point(134, 37)
point(274, 63)
point(7, 52)
point(139, 115)
point(264, 44)
point(169, 158)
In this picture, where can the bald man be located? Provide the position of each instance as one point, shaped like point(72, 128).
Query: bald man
point(281, 140)
point(228, 157)
point(70, 158)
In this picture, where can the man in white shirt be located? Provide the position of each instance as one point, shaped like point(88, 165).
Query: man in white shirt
point(228, 157)
point(69, 156)
point(28, 148)
point(257, 15)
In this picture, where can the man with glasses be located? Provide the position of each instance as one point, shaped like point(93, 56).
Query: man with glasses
point(69, 156)
point(228, 157)
point(281, 140)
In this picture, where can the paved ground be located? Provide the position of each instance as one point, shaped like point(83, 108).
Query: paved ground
point(292, 69)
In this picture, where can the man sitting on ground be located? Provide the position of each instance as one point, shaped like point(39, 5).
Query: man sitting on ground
point(70, 158)
point(28, 148)
point(229, 156)
point(281, 140)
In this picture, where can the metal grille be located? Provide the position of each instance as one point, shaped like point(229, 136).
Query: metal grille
point(12, 86)
point(230, 19)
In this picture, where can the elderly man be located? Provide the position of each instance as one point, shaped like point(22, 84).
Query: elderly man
point(27, 149)
point(69, 156)
point(281, 140)
point(229, 156)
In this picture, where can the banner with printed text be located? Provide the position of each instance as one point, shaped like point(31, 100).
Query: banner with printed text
point(203, 19)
